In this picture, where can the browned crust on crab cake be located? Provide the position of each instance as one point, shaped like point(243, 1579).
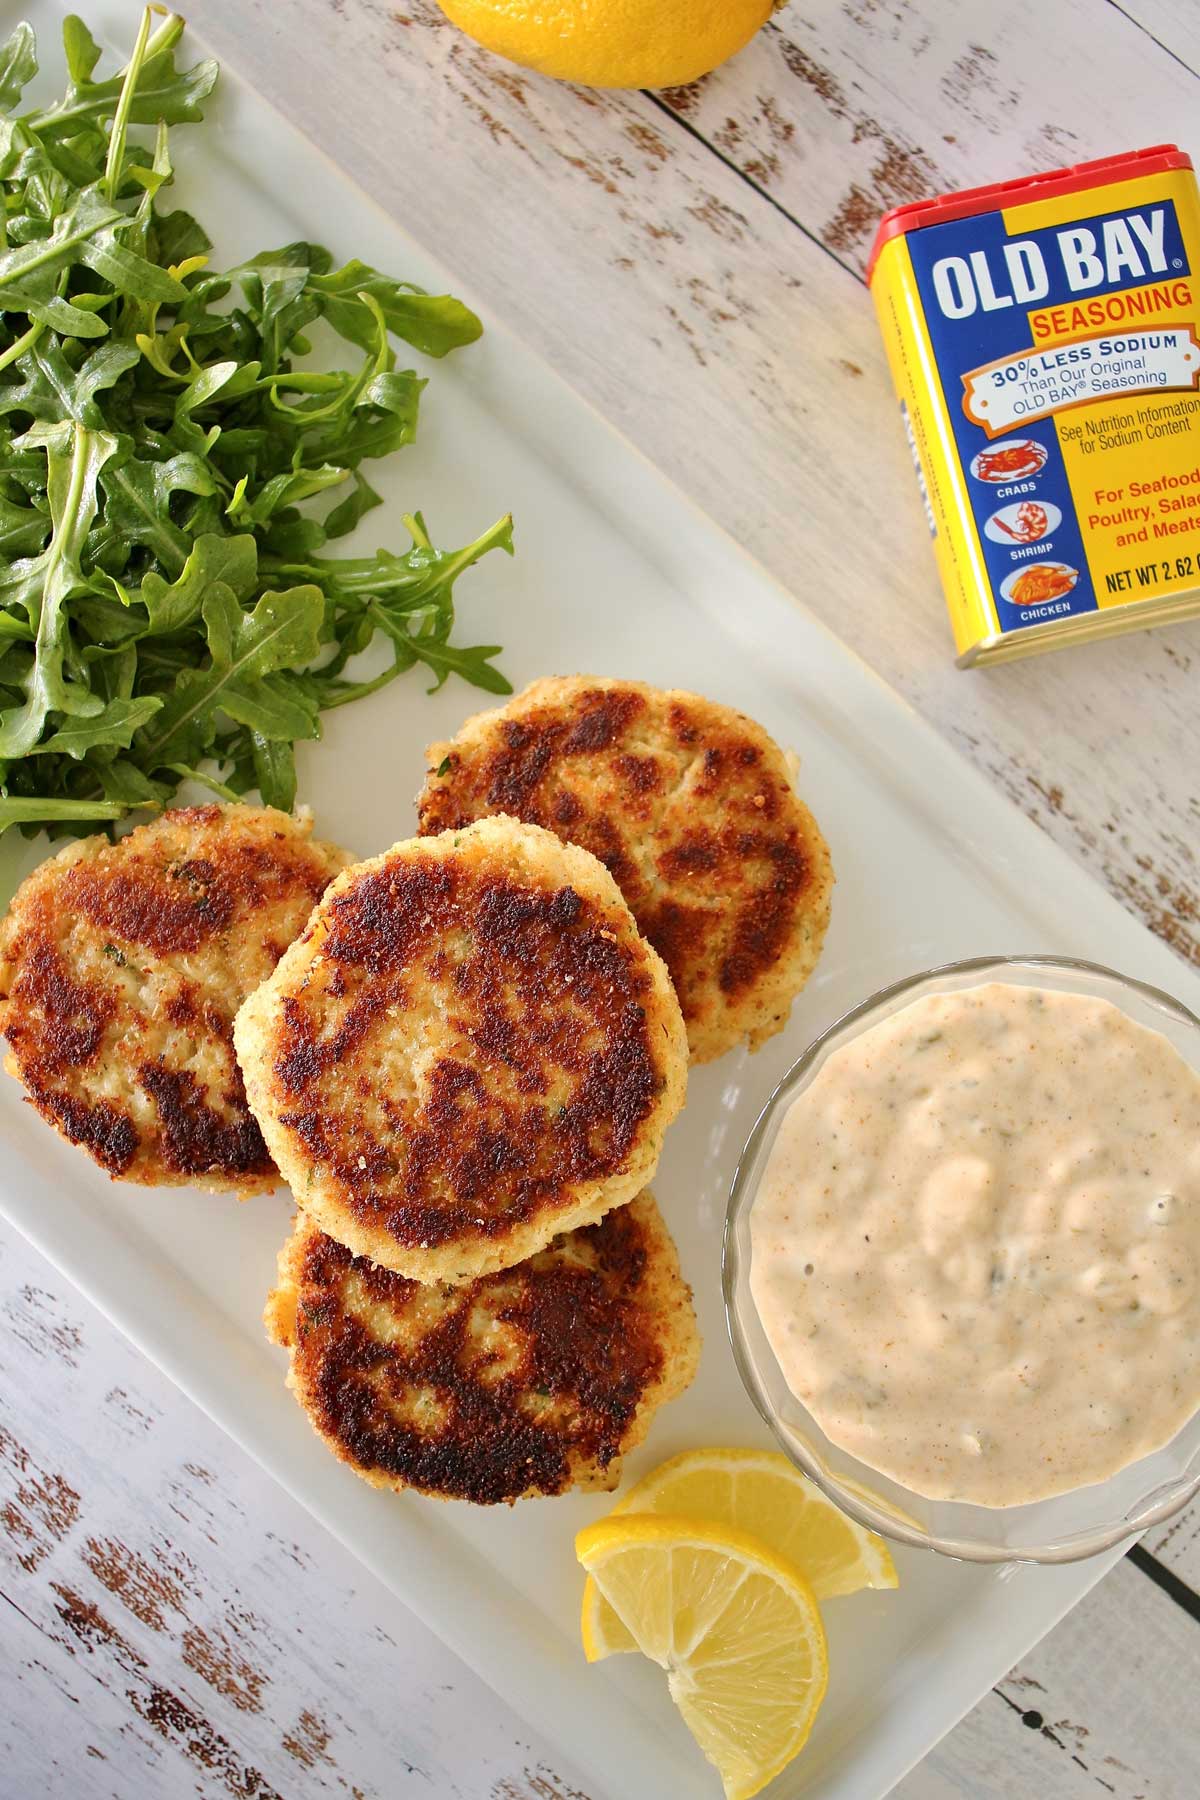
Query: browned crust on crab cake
point(529, 1381)
point(469, 1050)
point(692, 809)
point(121, 968)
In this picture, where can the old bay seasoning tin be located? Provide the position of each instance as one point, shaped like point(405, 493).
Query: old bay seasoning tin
point(1044, 340)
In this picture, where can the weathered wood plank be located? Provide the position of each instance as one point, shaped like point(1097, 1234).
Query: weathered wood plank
point(1095, 1708)
point(743, 359)
point(841, 111)
point(174, 1624)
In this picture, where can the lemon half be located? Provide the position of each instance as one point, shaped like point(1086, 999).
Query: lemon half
point(612, 43)
point(757, 1491)
point(735, 1627)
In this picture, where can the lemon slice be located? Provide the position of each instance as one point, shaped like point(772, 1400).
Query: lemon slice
point(757, 1491)
point(736, 1628)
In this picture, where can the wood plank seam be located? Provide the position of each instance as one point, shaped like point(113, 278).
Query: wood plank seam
point(1154, 39)
point(756, 187)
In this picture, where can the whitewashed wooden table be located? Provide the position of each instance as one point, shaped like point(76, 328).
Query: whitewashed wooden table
point(692, 262)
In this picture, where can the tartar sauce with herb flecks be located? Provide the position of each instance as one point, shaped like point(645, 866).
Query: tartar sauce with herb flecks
point(976, 1244)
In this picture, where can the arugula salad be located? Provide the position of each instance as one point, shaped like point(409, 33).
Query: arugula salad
point(176, 460)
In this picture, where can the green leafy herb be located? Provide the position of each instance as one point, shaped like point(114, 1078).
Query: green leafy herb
point(176, 456)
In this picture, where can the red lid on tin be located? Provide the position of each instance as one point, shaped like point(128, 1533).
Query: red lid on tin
point(1075, 179)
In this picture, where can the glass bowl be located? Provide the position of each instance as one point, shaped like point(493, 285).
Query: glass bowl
point(1061, 1529)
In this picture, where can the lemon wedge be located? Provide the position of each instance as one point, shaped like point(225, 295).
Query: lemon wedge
point(757, 1491)
point(735, 1627)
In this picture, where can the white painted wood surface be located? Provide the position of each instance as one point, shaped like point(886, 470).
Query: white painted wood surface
point(175, 1624)
point(691, 262)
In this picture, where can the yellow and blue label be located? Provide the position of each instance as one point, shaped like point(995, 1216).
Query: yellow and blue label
point(1044, 340)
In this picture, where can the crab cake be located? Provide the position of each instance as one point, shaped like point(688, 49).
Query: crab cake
point(690, 806)
point(121, 968)
point(470, 1049)
point(530, 1381)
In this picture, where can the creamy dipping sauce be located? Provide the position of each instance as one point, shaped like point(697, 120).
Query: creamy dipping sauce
point(975, 1247)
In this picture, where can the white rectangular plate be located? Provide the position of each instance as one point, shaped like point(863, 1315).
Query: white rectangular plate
point(615, 574)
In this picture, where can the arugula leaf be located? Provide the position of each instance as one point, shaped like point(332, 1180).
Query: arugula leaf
point(168, 440)
point(32, 268)
point(163, 92)
point(176, 238)
point(18, 65)
point(281, 491)
point(115, 725)
point(351, 511)
point(51, 389)
point(75, 458)
point(127, 272)
point(46, 809)
point(173, 606)
point(22, 533)
point(433, 323)
point(244, 648)
point(80, 48)
point(139, 496)
point(123, 782)
point(274, 770)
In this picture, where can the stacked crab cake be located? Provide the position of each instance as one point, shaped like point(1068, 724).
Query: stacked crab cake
point(528, 1381)
point(690, 806)
point(121, 968)
point(465, 1067)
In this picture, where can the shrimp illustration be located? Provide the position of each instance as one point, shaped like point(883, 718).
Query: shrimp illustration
point(1031, 522)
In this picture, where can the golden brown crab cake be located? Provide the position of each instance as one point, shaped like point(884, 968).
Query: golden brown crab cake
point(690, 806)
point(470, 1049)
point(528, 1381)
point(121, 968)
